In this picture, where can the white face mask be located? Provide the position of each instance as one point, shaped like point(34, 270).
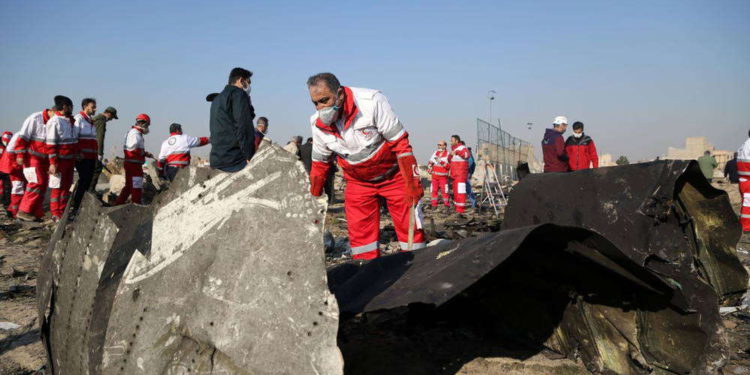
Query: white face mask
point(248, 89)
point(144, 129)
point(328, 115)
point(578, 135)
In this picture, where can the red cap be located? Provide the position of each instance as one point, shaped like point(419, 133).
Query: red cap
point(143, 117)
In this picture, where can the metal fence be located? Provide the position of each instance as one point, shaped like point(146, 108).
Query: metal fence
point(502, 150)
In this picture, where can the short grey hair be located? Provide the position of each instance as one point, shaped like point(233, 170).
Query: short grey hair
point(328, 78)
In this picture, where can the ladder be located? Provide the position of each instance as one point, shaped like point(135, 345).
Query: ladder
point(492, 191)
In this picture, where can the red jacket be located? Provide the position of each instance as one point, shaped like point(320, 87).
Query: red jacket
point(440, 163)
point(581, 153)
point(553, 149)
point(459, 162)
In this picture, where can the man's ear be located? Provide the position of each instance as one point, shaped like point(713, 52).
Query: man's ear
point(340, 94)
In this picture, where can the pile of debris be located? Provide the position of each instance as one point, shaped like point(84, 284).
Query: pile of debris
point(198, 282)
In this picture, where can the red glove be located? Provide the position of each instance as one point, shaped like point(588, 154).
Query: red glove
point(316, 185)
point(412, 187)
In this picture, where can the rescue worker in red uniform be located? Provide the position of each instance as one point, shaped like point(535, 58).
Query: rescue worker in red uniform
point(581, 149)
point(6, 179)
point(31, 152)
point(439, 166)
point(89, 147)
point(62, 145)
point(743, 171)
point(459, 171)
point(5, 185)
point(373, 150)
point(135, 157)
point(175, 151)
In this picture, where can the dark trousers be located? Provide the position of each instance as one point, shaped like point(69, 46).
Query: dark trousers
point(328, 187)
point(95, 177)
point(171, 172)
point(86, 169)
point(7, 187)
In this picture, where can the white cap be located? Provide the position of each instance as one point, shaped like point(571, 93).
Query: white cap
point(561, 120)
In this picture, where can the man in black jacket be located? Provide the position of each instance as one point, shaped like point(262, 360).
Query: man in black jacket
point(231, 124)
point(730, 170)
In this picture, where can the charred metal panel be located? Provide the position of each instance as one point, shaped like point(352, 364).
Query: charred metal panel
point(525, 290)
point(663, 211)
point(665, 217)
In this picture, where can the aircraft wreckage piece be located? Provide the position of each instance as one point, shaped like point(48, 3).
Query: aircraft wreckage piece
point(224, 273)
point(660, 213)
point(664, 216)
point(524, 290)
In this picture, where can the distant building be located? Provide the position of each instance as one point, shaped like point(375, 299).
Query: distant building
point(695, 147)
point(606, 160)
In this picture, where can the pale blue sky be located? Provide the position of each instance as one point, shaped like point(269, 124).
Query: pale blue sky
point(642, 75)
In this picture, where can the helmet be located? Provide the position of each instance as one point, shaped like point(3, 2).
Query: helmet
point(143, 117)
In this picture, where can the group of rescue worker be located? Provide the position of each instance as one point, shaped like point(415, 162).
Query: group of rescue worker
point(357, 126)
point(452, 170)
point(52, 143)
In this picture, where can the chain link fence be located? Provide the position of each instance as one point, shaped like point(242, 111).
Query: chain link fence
point(502, 150)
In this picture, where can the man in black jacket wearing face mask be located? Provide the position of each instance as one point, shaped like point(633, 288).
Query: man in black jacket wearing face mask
point(231, 124)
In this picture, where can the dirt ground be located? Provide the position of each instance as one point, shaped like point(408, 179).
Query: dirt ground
point(21, 247)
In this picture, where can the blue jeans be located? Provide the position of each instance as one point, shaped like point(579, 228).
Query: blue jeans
point(470, 194)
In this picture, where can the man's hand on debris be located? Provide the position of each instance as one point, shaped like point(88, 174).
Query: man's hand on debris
point(53, 169)
point(413, 191)
point(19, 160)
point(148, 155)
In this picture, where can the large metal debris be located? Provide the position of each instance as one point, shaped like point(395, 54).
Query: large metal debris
point(196, 283)
point(665, 217)
point(516, 293)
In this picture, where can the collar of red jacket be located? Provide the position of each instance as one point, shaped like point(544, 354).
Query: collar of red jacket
point(137, 128)
point(175, 133)
point(60, 114)
point(85, 116)
point(349, 110)
point(45, 115)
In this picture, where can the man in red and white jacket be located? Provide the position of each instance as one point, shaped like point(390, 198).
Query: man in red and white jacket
point(4, 178)
point(62, 145)
point(31, 151)
point(439, 166)
point(135, 157)
point(373, 150)
point(459, 171)
point(743, 171)
point(7, 185)
point(175, 151)
point(89, 146)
